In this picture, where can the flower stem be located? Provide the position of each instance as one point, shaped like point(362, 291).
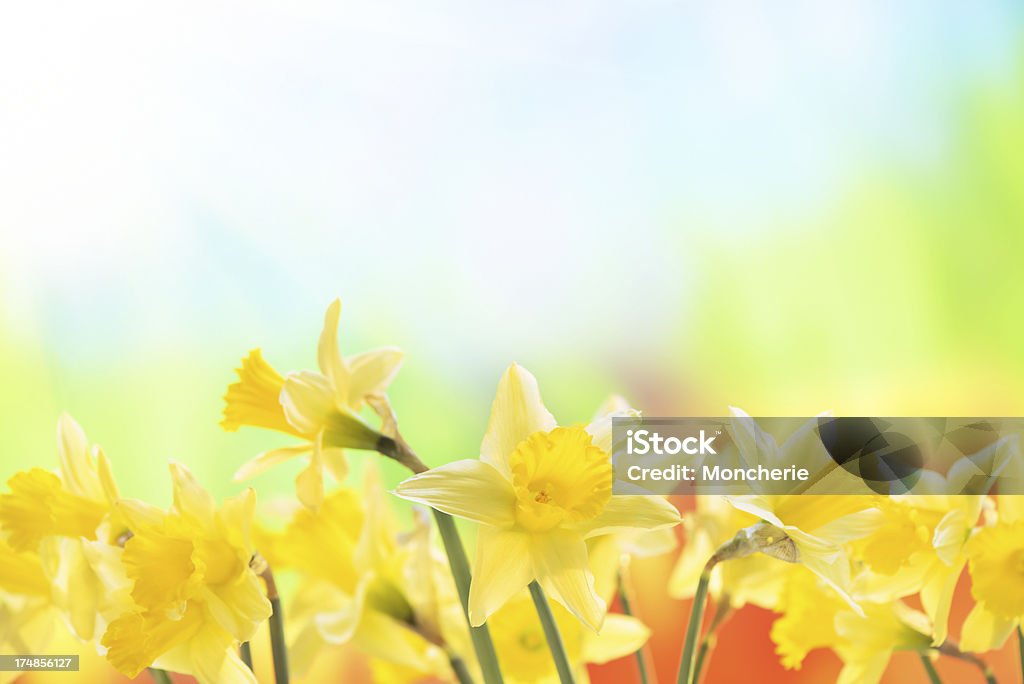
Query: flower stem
point(686, 668)
point(551, 633)
point(245, 653)
point(459, 668)
point(929, 667)
point(278, 646)
point(1020, 650)
point(159, 676)
point(486, 656)
point(397, 449)
point(949, 648)
point(707, 644)
point(647, 674)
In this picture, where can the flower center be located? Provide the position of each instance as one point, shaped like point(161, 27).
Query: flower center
point(559, 476)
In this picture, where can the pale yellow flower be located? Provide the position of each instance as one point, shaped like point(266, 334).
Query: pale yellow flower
point(539, 491)
point(813, 530)
point(388, 594)
point(68, 519)
point(815, 617)
point(523, 650)
point(996, 559)
point(195, 595)
point(754, 579)
point(320, 408)
point(27, 614)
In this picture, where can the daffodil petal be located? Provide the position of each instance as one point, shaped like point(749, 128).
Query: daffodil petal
point(868, 671)
point(239, 606)
point(76, 464)
point(210, 653)
point(560, 564)
point(469, 489)
point(309, 484)
point(620, 636)
point(308, 400)
point(329, 355)
point(983, 630)
point(371, 372)
point(189, 496)
point(600, 428)
point(937, 598)
point(501, 570)
point(269, 459)
point(517, 412)
point(140, 514)
point(623, 513)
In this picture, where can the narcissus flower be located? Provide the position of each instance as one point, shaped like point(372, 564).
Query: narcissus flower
point(815, 617)
point(539, 491)
point(27, 614)
point(68, 519)
point(523, 650)
point(195, 595)
point(388, 594)
point(321, 408)
point(996, 559)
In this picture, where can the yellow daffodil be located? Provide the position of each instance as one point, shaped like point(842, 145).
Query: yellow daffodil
point(523, 650)
point(996, 560)
point(754, 579)
point(815, 617)
point(68, 519)
point(27, 613)
point(918, 547)
point(388, 594)
point(539, 491)
point(195, 595)
point(812, 530)
point(321, 408)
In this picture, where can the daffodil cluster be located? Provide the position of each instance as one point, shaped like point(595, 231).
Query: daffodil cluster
point(195, 588)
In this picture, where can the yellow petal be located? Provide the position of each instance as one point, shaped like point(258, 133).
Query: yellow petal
point(239, 606)
point(21, 573)
point(309, 484)
point(468, 489)
point(628, 513)
point(308, 399)
point(601, 427)
point(190, 498)
point(383, 637)
point(329, 355)
point(867, 671)
point(377, 537)
point(39, 506)
point(255, 399)
point(371, 372)
point(269, 459)
point(135, 641)
point(937, 598)
point(983, 630)
point(516, 414)
point(106, 477)
point(502, 568)
point(560, 565)
point(213, 660)
point(76, 465)
point(621, 636)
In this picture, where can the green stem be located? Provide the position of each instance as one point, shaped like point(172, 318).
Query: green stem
point(686, 669)
point(245, 653)
point(397, 449)
point(459, 668)
point(929, 667)
point(627, 608)
point(551, 633)
point(702, 656)
point(1020, 650)
point(159, 676)
point(486, 656)
point(278, 645)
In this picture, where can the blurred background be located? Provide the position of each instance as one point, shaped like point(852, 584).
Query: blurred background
point(788, 208)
